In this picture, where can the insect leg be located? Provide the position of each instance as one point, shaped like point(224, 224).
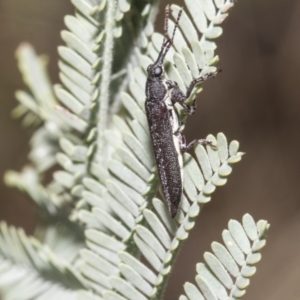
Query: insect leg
point(177, 94)
point(186, 147)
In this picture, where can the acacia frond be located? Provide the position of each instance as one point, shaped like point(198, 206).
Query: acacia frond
point(150, 230)
point(226, 272)
point(33, 269)
point(37, 107)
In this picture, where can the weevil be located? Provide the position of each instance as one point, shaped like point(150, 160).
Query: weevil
point(164, 125)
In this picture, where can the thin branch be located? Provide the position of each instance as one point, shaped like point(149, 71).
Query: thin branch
point(106, 70)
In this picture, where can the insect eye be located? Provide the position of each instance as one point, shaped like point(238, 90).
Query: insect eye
point(158, 71)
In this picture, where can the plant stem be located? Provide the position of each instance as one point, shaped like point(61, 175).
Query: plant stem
point(106, 70)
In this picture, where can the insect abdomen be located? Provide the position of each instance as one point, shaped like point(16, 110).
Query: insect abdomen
point(165, 153)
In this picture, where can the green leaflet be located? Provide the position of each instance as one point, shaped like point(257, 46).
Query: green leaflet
point(44, 270)
point(226, 272)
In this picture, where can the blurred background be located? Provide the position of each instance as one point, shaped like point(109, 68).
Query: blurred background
point(255, 100)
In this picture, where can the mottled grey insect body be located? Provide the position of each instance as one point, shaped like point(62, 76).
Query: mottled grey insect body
point(166, 154)
point(164, 126)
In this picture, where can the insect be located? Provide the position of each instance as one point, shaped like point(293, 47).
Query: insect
point(168, 141)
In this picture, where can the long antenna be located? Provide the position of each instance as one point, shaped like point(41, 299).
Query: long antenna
point(176, 24)
point(167, 42)
point(167, 15)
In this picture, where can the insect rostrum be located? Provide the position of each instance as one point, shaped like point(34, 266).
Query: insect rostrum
point(167, 139)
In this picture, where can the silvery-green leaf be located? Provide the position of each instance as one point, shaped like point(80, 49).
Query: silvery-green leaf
point(174, 75)
point(196, 10)
point(250, 227)
point(28, 101)
point(233, 148)
point(242, 283)
point(188, 223)
point(148, 253)
point(203, 160)
point(141, 135)
point(103, 240)
point(239, 236)
point(93, 185)
point(194, 171)
point(132, 194)
point(184, 71)
point(119, 210)
point(157, 228)
point(140, 76)
point(209, 188)
point(89, 220)
point(138, 93)
point(248, 271)
point(219, 3)
point(215, 285)
point(225, 258)
point(95, 200)
point(75, 60)
point(126, 289)
point(253, 258)
point(131, 178)
point(138, 149)
point(113, 225)
point(85, 8)
point(181, 233)
point(192, 292)
point(109, 255)
point(209, 8)
point(141, 117)
point(190, 61)
point(213, 32)
point(218, 269)
point(95, 276)
point(185, 24)
point(119, 194)
point(91, 26)
point(213, 153)
point(75, 26)
point(205, 288)
point(71, 119)
point(27, 253)
point(238, 293)
point(108, 295)
point(121, 124)
point(184, 204)
point(146, 235)
point(233, 248)
point(64, 178)
point(189, 187)
point(162, 211)
point(76, 91)
point(129, 103)
point(137, 280)
point(222, 147)
point(87, 295)
point(98, 262)
point(133, 163)
point(76, 44)
point(139, 267)
point(79, 80)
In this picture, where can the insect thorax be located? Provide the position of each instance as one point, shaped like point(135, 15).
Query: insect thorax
point(156, 89)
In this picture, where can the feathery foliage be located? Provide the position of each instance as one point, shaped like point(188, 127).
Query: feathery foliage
point(102, 211)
